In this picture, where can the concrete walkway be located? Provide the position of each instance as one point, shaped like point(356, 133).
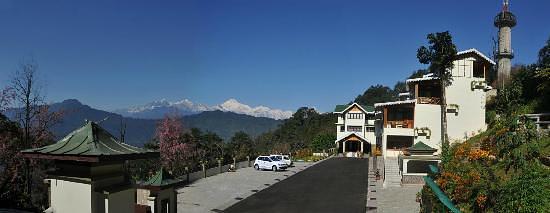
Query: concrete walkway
point(398, 199)
point(215, 193)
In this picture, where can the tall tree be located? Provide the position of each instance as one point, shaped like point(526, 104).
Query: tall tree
point(323, 142)
point(543, 69)
point(241, 145)
point(440, 55)
point(35, 119)
point(174, 149)
point(376, 94)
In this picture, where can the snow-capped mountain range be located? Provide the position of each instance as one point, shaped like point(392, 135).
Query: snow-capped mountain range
point(157, 109)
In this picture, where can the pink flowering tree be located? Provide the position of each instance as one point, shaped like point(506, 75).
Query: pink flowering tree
point(175, 150)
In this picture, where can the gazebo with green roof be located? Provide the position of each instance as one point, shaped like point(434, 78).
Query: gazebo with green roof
point(159, 192)
point(416, 162)
point(89, 172)
point(421, 148)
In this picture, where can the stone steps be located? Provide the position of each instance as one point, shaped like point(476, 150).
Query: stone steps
point(393, 176)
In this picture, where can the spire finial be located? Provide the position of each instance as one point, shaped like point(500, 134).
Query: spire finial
point(505, 6)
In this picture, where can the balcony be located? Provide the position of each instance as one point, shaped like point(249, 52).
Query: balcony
point(400, 124)
point(429, 100)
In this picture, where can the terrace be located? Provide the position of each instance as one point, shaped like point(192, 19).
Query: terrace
point(427, 91)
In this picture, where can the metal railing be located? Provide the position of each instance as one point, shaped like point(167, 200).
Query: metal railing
point(429, 100)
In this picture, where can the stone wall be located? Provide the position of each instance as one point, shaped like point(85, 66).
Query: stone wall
point(412, 179)
point(214, 171)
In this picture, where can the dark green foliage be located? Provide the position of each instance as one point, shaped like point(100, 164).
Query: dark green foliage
point(241, 145)
point(439, 55)
point(519, 146)
point(508, 99)
point(153, 144)
point(524, 93)
point(399, 87)
point(376, 94)
point(544, 55)
point(526, 192)
point(323, 142)
point(298, 131)
point(418, 73)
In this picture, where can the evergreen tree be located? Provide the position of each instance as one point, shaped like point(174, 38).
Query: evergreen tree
point(440, 55)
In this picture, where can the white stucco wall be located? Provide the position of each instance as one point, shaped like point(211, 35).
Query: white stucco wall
point(70, 197)
point(470, 118)
point(428, 115)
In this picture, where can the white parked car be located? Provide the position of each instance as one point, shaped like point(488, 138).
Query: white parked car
point(267, 162)
point(284, 158)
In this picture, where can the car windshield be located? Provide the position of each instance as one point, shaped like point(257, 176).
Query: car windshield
point(274, 158)
point(286, 158)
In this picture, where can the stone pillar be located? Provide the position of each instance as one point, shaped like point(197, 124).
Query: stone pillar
point(344, 147)
point(248, 159)
point(203, 170)
point(235, 163)
point(220, 165)
point(384, 141)
point(187, 173)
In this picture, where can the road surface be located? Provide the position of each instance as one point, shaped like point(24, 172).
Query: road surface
point(334, 185)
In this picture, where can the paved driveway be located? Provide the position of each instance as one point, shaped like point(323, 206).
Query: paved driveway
point(220, 191)
point(334, 185)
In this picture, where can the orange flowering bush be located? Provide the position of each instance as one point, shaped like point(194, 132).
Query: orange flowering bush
point(477, 155)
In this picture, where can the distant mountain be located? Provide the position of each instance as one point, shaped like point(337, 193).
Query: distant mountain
point(139, 131)
point(157, 109)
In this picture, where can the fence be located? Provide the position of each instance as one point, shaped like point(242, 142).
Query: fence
point(191, 177)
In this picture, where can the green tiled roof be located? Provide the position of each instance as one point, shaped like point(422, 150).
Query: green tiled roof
point(161, 178)
point(340, 108)
point(421, 147)
point(87, 142)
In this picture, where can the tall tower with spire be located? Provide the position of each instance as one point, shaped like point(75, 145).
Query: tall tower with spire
point(504, 20)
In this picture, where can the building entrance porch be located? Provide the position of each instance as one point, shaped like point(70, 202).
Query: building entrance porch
point(353, 148)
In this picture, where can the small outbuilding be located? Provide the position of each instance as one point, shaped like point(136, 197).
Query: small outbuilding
point(415, 162)
point(90, 174)
point(159, 192)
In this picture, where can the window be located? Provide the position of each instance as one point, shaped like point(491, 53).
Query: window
point(479, 70)
point(342, 128)
point(355, 129)
point(369, 129)
point(355, 115)
point(274, 158)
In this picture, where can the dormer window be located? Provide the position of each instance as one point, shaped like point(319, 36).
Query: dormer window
point(355, 115)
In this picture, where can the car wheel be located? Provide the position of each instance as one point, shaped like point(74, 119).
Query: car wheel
point(256, 167)
point(274, 168)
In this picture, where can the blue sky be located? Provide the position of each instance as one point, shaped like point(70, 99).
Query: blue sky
point(279, 53)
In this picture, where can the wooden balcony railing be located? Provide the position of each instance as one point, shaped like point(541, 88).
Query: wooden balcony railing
point(400, 124)
point(429, 100)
